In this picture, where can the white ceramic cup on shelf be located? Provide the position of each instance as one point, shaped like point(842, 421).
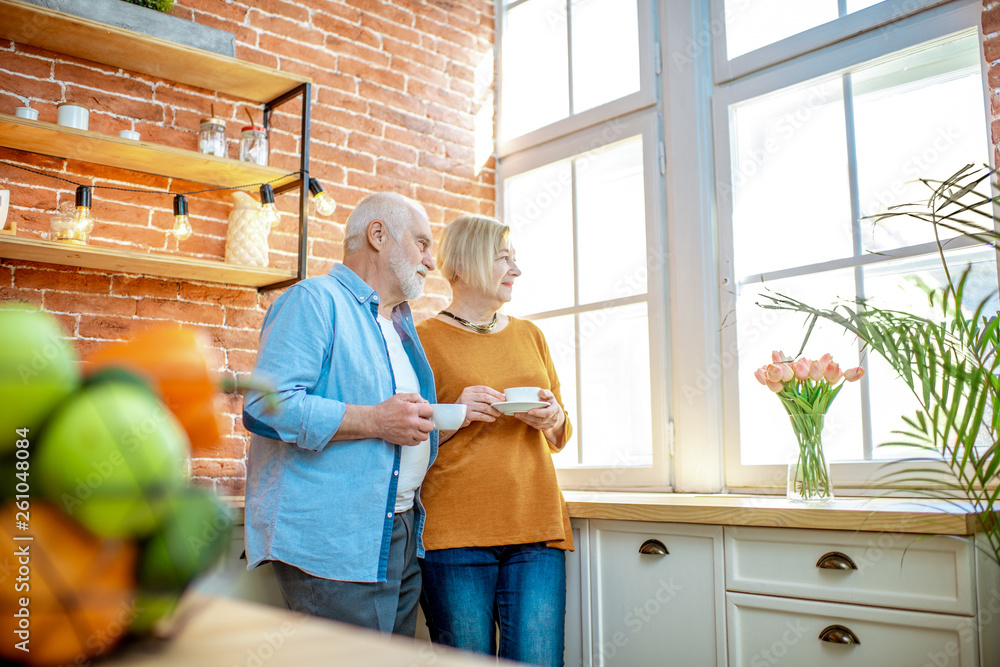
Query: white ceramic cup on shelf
point(129, 134)
point(448, 416)
point(26, 112)
point(521, 394)
point(69, 114)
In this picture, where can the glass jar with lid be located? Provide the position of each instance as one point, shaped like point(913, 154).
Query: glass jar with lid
point(253, 145)
point(212, 137)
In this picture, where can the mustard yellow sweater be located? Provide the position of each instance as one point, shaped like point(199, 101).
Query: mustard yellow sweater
point(493, 483)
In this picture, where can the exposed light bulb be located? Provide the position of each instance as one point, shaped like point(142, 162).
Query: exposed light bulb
point(323, 202)
point(182, 226)
point(83, 222)
point(269, 212)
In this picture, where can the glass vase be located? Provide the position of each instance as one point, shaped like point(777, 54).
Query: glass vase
point(809, 477)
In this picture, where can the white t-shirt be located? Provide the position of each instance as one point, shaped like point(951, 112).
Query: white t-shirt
point(414, 460)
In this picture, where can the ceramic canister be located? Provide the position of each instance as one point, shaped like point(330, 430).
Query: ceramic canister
point(70, 114)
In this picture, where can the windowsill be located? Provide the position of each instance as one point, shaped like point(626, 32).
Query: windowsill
point(899, 515)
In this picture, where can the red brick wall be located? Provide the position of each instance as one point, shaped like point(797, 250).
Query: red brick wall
point(991, 48)
point(395, 94)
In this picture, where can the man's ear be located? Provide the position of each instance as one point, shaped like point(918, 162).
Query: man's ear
point(378, 235)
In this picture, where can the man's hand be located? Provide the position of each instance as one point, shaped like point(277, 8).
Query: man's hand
point(403, 419)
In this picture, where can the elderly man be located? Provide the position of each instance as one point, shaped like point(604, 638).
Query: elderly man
point(341, 445)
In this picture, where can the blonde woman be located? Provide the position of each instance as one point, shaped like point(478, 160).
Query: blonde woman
point(497, 526)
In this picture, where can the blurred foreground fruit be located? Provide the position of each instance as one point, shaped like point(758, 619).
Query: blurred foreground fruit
point(174, 360)
point(192, 536)
point(37, 370)
point(110, 457)
point(81, 589)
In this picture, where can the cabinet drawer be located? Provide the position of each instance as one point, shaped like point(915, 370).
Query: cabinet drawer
point(890, 570)
point(765, 631)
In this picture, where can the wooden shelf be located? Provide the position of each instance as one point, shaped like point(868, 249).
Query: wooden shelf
point(75, 36)
point(125, 261)
point(111, 151)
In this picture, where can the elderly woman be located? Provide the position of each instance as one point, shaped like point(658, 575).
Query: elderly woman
point(497, 525)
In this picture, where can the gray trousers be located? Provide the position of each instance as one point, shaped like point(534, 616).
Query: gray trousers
point(387, 606)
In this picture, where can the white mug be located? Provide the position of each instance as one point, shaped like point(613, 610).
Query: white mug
point(69, 114)
point(521, 395)
point(4, 207)
point(26, 112)
point(448, 416)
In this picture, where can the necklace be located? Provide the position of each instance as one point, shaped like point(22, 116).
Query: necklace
point(478, 328)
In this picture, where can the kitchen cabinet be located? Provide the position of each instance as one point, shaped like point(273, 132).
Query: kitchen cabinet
point(578, 636)
point(657, 594)
point(133, 51)
point(823, 597)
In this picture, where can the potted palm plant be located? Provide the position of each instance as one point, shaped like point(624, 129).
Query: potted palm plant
point(950, 362)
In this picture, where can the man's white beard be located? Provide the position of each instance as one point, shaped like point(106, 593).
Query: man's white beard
point(410, 276)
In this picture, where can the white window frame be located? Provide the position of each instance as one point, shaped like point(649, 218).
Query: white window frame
point(934, 23)
point(645, 124)
point(574, 135)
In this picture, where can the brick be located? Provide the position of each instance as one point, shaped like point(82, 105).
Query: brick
point(72, 302)
point(400, 118)
point(241, 361)
point(378, 75)
point(104, 81)
point(422, 142)
point(30, 86)
point(390, 29)
point(415, 54)
point(19, 295)
point(345, 158)
point(52, 279)
point(347, 31)
point(220, 296)
point(407, 172)
point(230, 486)
point(103, 327)
point(290, 50)
point(180, 311)
point(991, 21)
point(218, 467)
point(141, 286)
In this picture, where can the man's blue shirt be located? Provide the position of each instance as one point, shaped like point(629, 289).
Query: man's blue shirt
point(325, 507)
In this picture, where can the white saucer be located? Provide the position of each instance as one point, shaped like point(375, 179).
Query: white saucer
point(510, 407)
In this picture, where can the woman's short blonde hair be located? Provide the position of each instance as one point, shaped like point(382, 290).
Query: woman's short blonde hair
point(468, 247)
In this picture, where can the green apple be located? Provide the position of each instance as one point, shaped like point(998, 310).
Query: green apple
point(38, 369)
point(111, 456)
point(192, 536)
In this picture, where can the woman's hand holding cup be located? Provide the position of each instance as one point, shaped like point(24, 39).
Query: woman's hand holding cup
point(479, 399)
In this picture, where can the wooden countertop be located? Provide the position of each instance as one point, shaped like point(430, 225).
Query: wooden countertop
point(213, 632)
point(902, 515)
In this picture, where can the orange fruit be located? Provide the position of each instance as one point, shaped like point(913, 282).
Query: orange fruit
point(174, 361)
point(69, 594)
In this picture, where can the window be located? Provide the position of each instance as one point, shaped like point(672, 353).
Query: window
point(580, 185)
point(804, 150)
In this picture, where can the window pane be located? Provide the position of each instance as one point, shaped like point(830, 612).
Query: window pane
point(614, 387)
point(535, 71)
point(921, 115)
point(611, 222)
point(602, 74)
point(560, 334)
point(765, 434)
point(539, 210)
point(855, 5)
point(751, 25)
point(791, 198)
point(895, 285)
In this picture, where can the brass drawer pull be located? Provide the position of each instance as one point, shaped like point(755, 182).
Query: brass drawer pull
point(835, 560)
point(838, 634)
point(653, 548)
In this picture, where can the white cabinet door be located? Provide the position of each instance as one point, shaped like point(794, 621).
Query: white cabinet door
point(652, 608)
point(577, 652)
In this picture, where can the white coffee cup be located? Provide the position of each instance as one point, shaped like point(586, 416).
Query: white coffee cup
point(69, 114)
point(26, 112)
point(521, 395)
point(448, 416)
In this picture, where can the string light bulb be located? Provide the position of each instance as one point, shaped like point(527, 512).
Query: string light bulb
point(269, 211)
point(83, 221)
point(323, 202)
point(182, 225)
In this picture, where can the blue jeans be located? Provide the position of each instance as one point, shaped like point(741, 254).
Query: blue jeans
point(521, 588)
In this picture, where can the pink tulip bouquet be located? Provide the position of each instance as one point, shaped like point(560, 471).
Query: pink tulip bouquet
point(806, 387)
